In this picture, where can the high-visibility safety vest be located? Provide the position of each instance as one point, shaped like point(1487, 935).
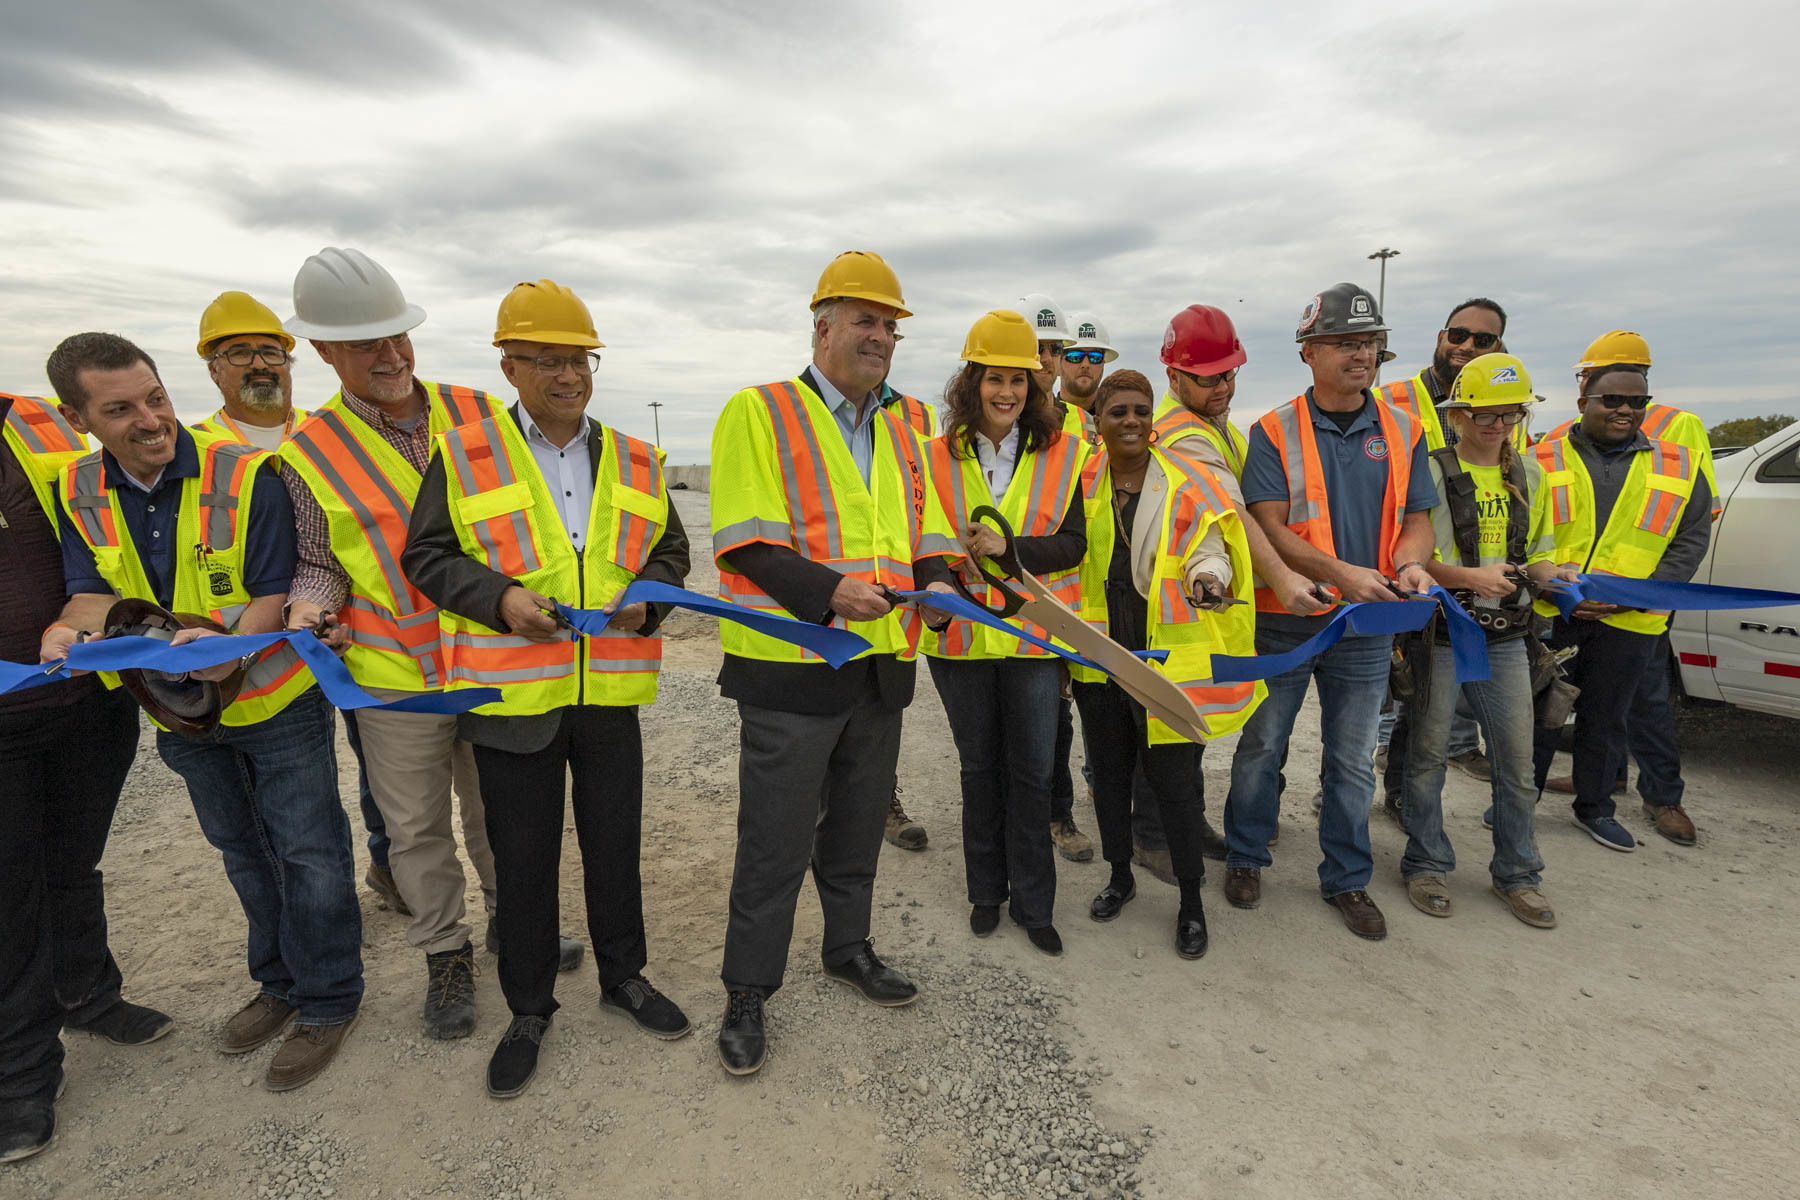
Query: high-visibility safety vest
point(222, 424)
point(783, 474)
point(1637, 534)
point(1079, 423)
point(44, 443)
point(214, 520)
point(1290, 429)
point(913, 413)
point(1175, 422)
point(507, 519)
point(1195, 504)
point(366, 489)
point(1666, 423)
point(1036, 501)
point(1414, 398)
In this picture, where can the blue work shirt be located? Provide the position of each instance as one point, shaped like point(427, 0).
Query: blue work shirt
point(1355, 463)
point(150, 517)
point(858, 431)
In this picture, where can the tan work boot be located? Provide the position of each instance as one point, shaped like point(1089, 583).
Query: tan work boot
point(1429, 894)
point(255, 1023)
point(1528, 904)
point(1071, 843)
point(902, 830)
point(308, 1050)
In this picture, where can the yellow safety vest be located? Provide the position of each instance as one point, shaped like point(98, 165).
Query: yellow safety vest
point(214, 520)
point(782, 474)
point(1176, 422)
point(506, 519)
point(1637, 534)
point(366, 489)
point(1078, 423)
point(222, 424)
point(44, 444)
point(1195, 503)
point(913, 413)
point(1666, 423)
point(1036, 500)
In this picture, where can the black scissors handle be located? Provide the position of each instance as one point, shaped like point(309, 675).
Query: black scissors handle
point(1011, 601)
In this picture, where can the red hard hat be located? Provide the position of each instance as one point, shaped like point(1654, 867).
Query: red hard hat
point(1201, 341)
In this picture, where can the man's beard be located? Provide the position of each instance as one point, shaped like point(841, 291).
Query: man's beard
point(1082, 395)
point(262, 395)
point(1444, 369)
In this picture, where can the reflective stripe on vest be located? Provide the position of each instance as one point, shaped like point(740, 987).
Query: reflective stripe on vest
point(1414, 398)
point(1035, 501)
point(1665, 422)
point(44, 444)
point(915, 414)
point(1290, 430)
point(1176, 422)
point(222, 424)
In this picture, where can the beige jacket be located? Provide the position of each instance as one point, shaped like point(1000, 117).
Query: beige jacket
point(1209, 556)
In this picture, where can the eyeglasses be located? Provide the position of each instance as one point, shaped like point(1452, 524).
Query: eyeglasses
point(399, 341)
point(1093, 356)
point(553, 364)
point(1456, 335)
point(1351, 348)
point(243, 356)
point(1213, 381)
point(1508, 419)
point(1638, 403)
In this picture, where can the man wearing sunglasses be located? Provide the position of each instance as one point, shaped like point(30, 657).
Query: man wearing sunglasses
point(1084, 362)
point(250, 358)
point(1622, 504)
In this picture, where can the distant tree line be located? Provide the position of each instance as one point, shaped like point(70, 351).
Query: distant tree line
point(1746, 431)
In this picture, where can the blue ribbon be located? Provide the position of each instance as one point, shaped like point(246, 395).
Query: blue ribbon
point(1664, 595)
point(1468, 644)
point(959, 606)
point(836, 646)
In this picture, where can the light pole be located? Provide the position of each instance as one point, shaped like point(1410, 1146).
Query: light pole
point(657, 418)
point(1381, 291)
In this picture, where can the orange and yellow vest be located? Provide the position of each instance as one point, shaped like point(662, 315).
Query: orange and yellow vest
point(1666, 423)
point(44, 443)
point(1290, 430)
point(214, 520)
point(1176, 422)
point(783, 474)
point(1194, 504)
point(367, 489)
point(1077, 422)
point(222, 424)
point(913, 413)
point(1637, 534)
point(507, 520)
point(1035, 502)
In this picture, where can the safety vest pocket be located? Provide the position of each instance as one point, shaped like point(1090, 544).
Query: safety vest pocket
point(481, 506)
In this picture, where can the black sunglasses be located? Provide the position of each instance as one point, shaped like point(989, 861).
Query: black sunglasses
point(1457, 335)
point(1610, 400)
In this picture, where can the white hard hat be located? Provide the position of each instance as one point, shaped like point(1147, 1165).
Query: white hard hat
point(346, 296)
point(1090, 334)
point(1045, 316)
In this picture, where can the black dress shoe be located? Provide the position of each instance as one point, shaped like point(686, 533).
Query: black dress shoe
point(515, 1058)
point(27, 1127)
point(1212, 842)
point(984, 919)
point(654, 1012)
point(742, 1042)
point(1045, 938)
point(126, 1024)
point(1190, 934)
point(1111, 901)
point(873, 978)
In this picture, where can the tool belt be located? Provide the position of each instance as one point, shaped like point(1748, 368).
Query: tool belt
point(1512, 616)
point(1552, 695)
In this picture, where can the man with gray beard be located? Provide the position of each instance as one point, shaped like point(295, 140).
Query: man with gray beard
point(249, 356)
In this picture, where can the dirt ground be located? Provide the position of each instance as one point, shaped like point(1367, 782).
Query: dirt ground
point(1647, 1047)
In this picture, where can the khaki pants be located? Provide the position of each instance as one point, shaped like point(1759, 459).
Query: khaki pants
point(413, 759)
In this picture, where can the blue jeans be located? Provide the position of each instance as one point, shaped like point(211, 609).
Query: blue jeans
point(1465, 734)
point(1503, 704)
point(1003, 715)
point(267, 799)
point(1352, 678)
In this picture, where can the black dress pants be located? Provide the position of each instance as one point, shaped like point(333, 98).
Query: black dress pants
point(61, 769)
point(1118, 743)
point(602, 748)
point(1608, 668)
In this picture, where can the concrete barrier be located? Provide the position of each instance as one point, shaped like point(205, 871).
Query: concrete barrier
point(696, 478)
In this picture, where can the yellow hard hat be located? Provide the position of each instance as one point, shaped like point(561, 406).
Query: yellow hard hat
point(234, 314)
point(545, 311)
point(1002, 338)
point(1491, 380)
point(860, 275)
point(1615, 346)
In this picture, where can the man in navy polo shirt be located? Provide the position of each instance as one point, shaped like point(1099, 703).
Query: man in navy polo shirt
point(1338, 481)
point(196, 522)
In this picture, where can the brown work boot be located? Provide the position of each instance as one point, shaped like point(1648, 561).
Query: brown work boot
point(1243, 887)
point(1071, 843)
point(255, 1023)
point(1565, 785)
point(1528, 904)
point(1157, 862)
point(1672, 823)
point(1360, 914)
point(1429, 894)
point(902, 830)
point(1473, 763)
point(308, 1050)
point(380, 880)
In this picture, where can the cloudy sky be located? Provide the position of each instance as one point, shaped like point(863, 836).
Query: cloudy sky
point(688, 168)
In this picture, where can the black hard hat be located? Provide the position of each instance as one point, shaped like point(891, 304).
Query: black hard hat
point(1339, 309)
point(180, 703)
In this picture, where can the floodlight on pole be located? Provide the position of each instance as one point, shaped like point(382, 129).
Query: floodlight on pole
point(656, 417)
point(1381, 291)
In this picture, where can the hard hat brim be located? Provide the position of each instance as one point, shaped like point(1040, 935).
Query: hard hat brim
point(1236, 358)
point(551, 337)
point(893, 302)
point(203, 349)
point(1006, 360)
point(411, 319)
point(1338, 333)
point(1090, 344)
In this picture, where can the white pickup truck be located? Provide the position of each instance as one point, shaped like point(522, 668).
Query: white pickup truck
point(1750, 657)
